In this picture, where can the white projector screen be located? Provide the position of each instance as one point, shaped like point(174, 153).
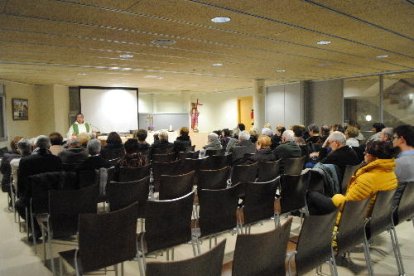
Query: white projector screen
point(110, 109)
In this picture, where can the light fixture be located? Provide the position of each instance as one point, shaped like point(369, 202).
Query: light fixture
point(126, 56)
point(217, 64)
point(368, 118)
point(220, 19)
point(280, 70)
point(382, 56)
point(163, 42)
point(114, 68)
point(82, 74)
point(323, 42)
point(153, 77)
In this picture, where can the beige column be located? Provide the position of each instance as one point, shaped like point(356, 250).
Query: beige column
point(259, 103)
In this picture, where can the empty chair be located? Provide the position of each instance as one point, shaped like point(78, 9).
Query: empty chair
point(380, 221)
point(61, 220)
point(122, 194)
point(244, 173)
point(346, 178)
point(189, 164)
point(404, 211)
point(268, 170)
point(167, 224)
point(215, 162)
point(217, 210)
point(293, 190)
point(351, 228)
point(262, 254)
point(132, 174)
point(105, 239)
point(174, 186)
point(213, 179)
point(158, 169)
point(293, 166)
point(207, 264)
point(314, 245)
point(259, 199)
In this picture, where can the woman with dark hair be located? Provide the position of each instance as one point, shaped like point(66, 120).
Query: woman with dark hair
point(132, 157)
point(377, 174)
point(183, 142)
point(225, 137)
point(143, 146)
point(114, 148)
point(56, 141)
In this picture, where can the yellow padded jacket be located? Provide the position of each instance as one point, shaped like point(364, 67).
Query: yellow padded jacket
point(374, 177)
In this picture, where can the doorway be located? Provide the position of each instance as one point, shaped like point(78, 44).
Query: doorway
point(245, 107)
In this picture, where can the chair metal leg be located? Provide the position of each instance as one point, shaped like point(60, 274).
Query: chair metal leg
point(333, 263)
point(33, 230)
point(116, 269)
point(122, 268)
point(60, 267)
point(397, 252)
point(367, 257)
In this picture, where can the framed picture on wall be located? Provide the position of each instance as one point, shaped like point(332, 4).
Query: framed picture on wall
point(20, 109)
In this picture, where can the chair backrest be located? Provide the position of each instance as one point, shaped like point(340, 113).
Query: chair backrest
point(268, 170)
point(293, 166)
point(213, 179)
point(168, 222)
point(406, 206)
point(108, 238)
point(40, 185)
point(174, 186)
point(164, 150)
point(122, 194)
point(293, 190)
point(218, 210)
point(65, 207)
point(351, 227)
point(158, 169)
point(244, 173)
point(259, 200)
point(262, 254)
point(315, 236)
point(346, 178)
point(207, 264)
point(87, 178)
point(215, 162)
point(187, 154)
point(163, 157)
point(133, 174)
point(381, 213)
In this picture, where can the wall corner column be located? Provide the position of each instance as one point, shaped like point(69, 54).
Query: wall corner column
point(259, 103)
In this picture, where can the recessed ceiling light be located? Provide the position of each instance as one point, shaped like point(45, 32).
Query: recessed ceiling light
point(382, 56)
point(280, 70)
point(153, 77)
point(114, 68)
point(217, 64)
point(126, 69)
point(163, 42)
point(126, 56)
point(323, 42)
point(82, 74)
point(220, 19)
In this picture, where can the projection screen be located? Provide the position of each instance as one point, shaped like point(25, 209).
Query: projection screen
point(110, 109)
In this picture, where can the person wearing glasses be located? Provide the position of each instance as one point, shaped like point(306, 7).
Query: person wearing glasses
point(403, 139)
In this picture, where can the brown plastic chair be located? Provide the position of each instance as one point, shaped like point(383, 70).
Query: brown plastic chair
point(293, 166)
point(207, 264)
point(215, 162)
point(268, 170)
point(133, 174)
point(158, 169)
point(244, 173)
point(105, 239)
point(262, 254)
point(167, 224)
point(348, 173)
point(314, 245)
point(213, 179)
point(163, 157)
point(175, 186)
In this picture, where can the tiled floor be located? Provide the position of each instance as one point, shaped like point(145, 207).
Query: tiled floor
point(17, 257)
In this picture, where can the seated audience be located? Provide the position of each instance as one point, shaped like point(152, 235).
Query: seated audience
point(56, 141)
point(213, 142)
point(162, 145)
point(24, 147)
point(114, 148)
point(337, 127)
point(376, 128)
point(253, 135)
point(351, 133)
point(403, 140)
point(40, 161)
point(84, 139)
point(183, 142)
point(74, 154)
point(264, 152)
point(95, 160)
point(299, 131)
point(386, 134)
point(244, 146)
point(5, 167)
point(288, 148)
point(277, 136)
point(225, 137)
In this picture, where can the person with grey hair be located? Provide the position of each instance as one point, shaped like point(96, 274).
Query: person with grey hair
point(287, 148)
point(335, 151)
point(73, 155)
point(95, 160)
point(386, 134)
point(267, 131)
point(244, 146)
point(40, 161)
point(162, 145)
point(213, 142)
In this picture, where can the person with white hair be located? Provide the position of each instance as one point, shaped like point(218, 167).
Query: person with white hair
point(386, 134)
point(288, 148)
point(40, 161)
point(161, 143)
point(244, 146)
point(74, 154)
point(95, 160)
point(213, 142)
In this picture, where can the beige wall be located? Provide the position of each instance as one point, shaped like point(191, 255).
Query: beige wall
point(48, 109)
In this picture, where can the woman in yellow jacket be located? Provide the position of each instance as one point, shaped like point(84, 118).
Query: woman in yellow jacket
point(376, 175)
